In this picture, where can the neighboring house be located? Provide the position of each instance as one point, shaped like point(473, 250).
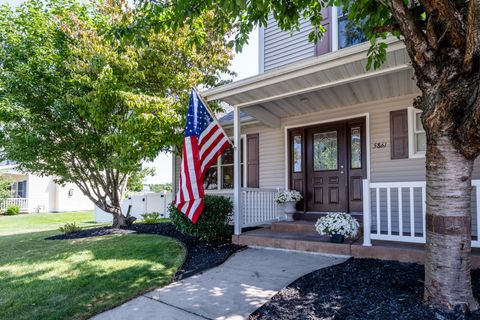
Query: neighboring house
point(316, 121)
point(41, 194)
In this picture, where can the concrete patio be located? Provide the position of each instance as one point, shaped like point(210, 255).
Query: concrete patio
point(231, 291)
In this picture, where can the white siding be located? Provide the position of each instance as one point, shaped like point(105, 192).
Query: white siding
point(281, 48)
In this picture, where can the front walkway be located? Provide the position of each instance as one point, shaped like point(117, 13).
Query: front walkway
point(231, 291)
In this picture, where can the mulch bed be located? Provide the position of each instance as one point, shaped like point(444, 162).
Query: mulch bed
point(359, 289)
point(201, 255)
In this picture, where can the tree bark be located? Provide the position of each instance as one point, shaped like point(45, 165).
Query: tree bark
point(447, 259)
point(119, 220)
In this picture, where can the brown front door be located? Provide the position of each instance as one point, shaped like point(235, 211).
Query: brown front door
point(327, 165)
point(326, 157)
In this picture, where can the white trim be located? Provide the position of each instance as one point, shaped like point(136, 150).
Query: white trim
point(334, 22)
point(327, 85)
point(366, 115)
point(237, 171)
point(302, 68)
point(412, 152)
point(261, 49)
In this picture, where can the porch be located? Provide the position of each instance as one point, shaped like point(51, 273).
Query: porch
point(348, 139)
point(392, 223)
point(22, 203)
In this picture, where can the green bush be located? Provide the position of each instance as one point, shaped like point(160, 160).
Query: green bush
point(151, 218)
point(70, 228)
point(12, 210)
point(213, 222)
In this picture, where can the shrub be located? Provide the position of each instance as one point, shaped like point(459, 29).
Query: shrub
point(213, 222)
point(12, 210)
point(151, 218)
point(70, 228)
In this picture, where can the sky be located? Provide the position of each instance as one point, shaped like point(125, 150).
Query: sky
point(245, 64)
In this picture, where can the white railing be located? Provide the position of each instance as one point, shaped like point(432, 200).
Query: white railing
point(22, 203)
point(259, 206)
point(396, 211)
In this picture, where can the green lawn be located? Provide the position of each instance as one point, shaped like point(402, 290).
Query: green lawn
point(25, 223)
point(75, 279)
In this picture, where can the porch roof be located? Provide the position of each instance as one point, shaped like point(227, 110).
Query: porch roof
point(329, 81)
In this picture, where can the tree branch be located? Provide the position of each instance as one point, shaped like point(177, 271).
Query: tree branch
point(413, 36)
point(473, 35)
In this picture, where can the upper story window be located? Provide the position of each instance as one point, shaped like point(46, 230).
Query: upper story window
point(417, 140)
point(348, 33)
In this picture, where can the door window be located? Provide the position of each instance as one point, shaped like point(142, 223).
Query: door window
point(356, 148)
point(325, 151)
point(297, 153)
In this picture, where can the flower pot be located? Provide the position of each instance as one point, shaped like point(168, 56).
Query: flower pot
point(337, 238)
point(290, 210)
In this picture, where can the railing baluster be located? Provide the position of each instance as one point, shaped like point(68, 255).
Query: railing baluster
point(400, 212)
point(477, 190)
point(424, 211)
point(378, 209)
point(412, 213)
point(389, 212)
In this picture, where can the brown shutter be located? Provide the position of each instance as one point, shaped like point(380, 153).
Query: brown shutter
point(325, 45)
point(399, 134)
point(253, 180)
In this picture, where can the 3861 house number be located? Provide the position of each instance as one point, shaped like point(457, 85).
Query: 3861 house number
point(379, 145)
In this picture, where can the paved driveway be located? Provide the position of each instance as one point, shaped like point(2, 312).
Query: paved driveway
point(231, 291)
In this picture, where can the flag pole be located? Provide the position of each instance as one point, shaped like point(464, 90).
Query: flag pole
point(204, 101)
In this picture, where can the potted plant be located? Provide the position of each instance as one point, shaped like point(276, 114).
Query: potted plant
point(338, 226)
point(289, 198)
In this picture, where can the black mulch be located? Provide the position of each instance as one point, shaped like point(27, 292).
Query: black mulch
point(359, 289)
point(201, 255)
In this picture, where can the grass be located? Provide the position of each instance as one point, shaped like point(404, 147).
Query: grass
point(25, 223)
point(75, 279)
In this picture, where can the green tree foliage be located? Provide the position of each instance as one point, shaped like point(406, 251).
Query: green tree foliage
point(160, 187)
point(136, 180)
point(5, 184)
point(79, 105)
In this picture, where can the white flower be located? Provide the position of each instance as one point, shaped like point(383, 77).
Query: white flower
point(337, 223)
point(287, 196)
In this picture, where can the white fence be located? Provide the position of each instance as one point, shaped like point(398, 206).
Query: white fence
point(259, 206)
point(22, 203)
point(396, 211)
point(140, 204)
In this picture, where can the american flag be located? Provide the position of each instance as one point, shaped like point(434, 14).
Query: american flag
point(204, 142)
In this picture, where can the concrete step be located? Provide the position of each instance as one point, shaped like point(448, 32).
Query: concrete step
point(301, 226)
point(300, 241)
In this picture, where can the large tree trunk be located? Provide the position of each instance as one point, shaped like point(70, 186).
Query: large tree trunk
point(447, 260)
point(119, 220)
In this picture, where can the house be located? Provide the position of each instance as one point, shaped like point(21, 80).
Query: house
point(33, 193)
point(349, 140)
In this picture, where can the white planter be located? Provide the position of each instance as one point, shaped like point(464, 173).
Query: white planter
point(290, 210)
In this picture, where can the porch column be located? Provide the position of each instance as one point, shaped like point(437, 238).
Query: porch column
point(237, 175)
point(367, 214)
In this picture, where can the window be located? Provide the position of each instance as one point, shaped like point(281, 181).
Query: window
point(19, 189)
point(297, 153)
point(220, 175)
point(417, 141)
point(348, 34)
point(356, 148)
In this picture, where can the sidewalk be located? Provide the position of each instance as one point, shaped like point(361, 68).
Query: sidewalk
point(231, 291)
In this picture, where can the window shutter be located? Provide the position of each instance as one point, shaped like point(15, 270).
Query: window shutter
point(399, 134)
point(253, 180)
point(324, 45)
